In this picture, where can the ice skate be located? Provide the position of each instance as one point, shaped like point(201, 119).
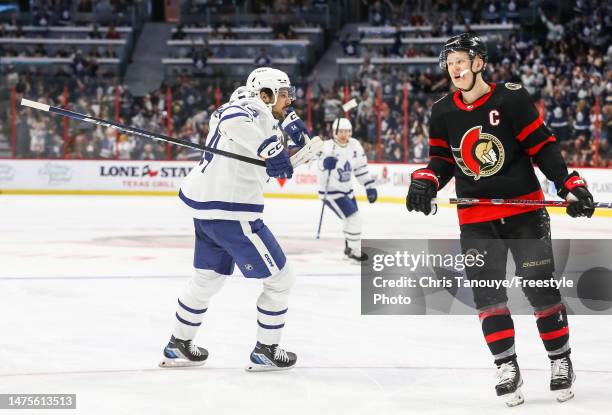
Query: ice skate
point(509, 383)
point(269, 358)
point(352, 255)
point(562, 378)
point(183, 353)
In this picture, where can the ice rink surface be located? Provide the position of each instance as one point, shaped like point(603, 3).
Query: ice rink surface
point(88, 288)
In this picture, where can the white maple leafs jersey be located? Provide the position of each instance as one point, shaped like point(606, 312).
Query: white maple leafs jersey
point(223, 188)
point(352, 161)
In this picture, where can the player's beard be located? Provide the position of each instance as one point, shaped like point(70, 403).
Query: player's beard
point(279, 115)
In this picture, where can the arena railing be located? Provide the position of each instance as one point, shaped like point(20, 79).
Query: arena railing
point(62, 31)
point(327, 15)
point(312, 33)
point(486, 27)
point(348, 67)
point(233, 67)
point(436, 41)
point(246, 48)
point(120, 45)
point(50, 65)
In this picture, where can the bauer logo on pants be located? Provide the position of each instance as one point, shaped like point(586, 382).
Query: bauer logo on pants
point(479, 154)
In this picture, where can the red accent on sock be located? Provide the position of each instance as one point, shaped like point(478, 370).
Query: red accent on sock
point(500, 335)
point(550, 311)
point(551, 335)
point(497, 311)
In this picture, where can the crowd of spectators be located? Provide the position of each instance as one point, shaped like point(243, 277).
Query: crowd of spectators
point(564, 67)
point(442, 13)
point(563, 64)
point(68, 13)
point(193, 100)
point(40, 136)
point(47, 13)
point(281, 27)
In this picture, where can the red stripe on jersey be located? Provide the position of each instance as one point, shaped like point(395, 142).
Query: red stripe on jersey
point(485, 213)
point(551, 335)
point(500, 335)
point(532, 151)
point(549, 311)
point(438, 142)
point(450, 160)
point(479, 102)
point(530, 128)
point(497, 311)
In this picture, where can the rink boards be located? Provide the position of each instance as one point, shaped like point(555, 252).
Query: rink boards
point(126, 177)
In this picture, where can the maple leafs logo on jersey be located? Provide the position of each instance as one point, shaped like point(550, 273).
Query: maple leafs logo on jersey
point(344, 172)
point(479, 154)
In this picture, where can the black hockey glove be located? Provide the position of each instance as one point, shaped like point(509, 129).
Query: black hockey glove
point(574, 190)
point(423, 187)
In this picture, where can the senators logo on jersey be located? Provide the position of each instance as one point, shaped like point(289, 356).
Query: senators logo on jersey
point(479, 154)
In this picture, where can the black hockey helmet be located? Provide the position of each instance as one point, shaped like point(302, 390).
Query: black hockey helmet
point(465, 42)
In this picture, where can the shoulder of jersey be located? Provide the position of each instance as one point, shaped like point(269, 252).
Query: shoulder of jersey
point(510, 89)
point(512, 86)
point(353, 142)
point(444, 104)
point(253, 106)
point(328, 143)
point(514, 94)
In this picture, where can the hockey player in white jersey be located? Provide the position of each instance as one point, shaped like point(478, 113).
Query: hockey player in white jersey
point(340, 159)
point(226, 199)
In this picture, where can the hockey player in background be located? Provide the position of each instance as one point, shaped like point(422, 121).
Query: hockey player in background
point(226, 199)
point(340, 159)
point(486, 136)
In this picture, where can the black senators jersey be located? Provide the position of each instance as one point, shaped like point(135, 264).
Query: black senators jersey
point(487, 146)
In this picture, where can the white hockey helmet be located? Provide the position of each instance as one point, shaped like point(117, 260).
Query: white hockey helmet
point(342, 124)
point(240, 93)
point(273, 79)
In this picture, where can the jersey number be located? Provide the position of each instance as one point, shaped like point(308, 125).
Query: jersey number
point(207, 158)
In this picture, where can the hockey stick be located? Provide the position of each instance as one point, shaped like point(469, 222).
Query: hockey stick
point(303, 155)
point(512, 202)
point(346, 107)
point(137, 131)
point(324, 200)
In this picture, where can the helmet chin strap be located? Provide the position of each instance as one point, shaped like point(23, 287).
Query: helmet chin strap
point(473, 77)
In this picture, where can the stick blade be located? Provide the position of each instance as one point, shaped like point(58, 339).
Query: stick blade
point(35, 105)
point(349, 105)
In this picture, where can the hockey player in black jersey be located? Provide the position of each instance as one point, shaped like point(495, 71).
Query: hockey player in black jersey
point(486, 136)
